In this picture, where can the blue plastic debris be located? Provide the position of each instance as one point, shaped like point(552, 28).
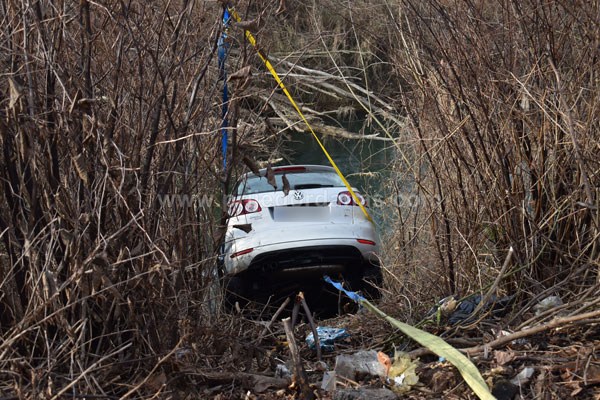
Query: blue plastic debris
point(353, 295)
point(327, 337)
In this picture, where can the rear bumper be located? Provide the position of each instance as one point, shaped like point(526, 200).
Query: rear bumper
point(284, 272)
point(302, 254)
point(276, 243)
point(306, 256)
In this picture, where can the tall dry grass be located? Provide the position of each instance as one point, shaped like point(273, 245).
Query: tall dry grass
point(502, 105)
point(106, 108)
point(494, 110)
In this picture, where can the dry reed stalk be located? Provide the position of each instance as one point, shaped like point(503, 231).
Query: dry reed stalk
point(506, 141)
point(108, 192)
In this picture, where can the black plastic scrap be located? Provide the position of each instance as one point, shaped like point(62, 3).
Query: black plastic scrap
point(498, 307)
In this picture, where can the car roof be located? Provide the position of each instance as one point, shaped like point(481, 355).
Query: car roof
point(280, 169)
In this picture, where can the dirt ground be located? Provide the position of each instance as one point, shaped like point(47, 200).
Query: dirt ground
point(553, 356)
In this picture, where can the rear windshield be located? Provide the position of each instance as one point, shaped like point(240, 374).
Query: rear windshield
point(298, 180)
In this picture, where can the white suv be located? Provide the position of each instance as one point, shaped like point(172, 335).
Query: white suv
point(295, 227)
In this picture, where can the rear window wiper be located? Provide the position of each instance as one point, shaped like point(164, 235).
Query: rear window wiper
point(310, 186)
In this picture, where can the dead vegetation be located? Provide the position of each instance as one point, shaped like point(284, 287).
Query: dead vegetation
point(502, 99)
point(108, 244)
point(112, 182)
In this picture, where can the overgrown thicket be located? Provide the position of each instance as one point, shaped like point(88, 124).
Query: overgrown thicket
point(502, 100)
point(111, 170)
point(494, 110)
point(109, 128)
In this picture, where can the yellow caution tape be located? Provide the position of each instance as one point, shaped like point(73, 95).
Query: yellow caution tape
point(269, 66)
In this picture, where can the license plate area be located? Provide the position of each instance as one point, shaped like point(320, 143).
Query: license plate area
point(301, 214)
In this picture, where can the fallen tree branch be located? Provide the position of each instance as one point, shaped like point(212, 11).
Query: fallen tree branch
point(555, 323)
point(494, 286)
point(311, 322)
point(268, 326)
point(300, 377)
point(246, 380)
point(316, 73)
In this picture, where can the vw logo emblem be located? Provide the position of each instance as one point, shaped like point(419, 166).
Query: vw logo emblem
point(298, 195)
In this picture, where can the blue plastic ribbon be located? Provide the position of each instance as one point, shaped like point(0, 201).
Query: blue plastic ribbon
point(352, 295)
point(223, 50)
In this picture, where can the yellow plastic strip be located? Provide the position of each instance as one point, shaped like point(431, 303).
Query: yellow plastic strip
point(269, 66)
point(439, 346)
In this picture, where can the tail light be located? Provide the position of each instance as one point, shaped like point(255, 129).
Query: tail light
point(345, 199)
point(242, 207)
point(366, 241)
point(241, 253)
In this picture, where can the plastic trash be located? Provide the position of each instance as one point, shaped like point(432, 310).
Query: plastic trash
point(183, 354)
point(359, 365)
point(504, 390)
point(327, 337)
point(364, 393)
point(523, 377)
point(547, 304)
point(282, 371)
point(352, 295)
point(499, 307)
point(403, 373)
point(328, 383)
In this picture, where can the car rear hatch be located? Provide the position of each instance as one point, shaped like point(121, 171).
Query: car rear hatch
point(314, 206)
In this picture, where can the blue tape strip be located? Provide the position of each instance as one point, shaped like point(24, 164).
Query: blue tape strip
point(223, 50)
point(353, 295)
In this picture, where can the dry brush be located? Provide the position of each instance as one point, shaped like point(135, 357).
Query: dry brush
point(502, 99)
point(111, 190)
